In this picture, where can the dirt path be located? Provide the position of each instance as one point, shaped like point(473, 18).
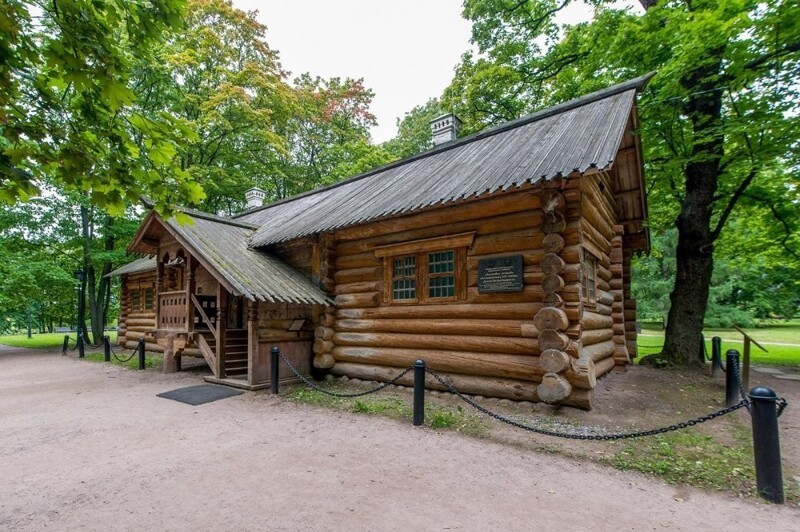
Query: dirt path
point(85, 445)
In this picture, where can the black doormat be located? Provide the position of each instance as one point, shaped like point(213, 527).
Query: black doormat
point(200, 394)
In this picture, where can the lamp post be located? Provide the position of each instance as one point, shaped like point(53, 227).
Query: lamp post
point(79, 320)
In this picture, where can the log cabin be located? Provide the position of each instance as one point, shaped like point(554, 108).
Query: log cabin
point(502, 259)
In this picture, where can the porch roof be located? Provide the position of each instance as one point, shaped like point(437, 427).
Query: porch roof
point(221, 245)
point(146, 264)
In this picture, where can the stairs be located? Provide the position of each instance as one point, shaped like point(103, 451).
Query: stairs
point(235, 353)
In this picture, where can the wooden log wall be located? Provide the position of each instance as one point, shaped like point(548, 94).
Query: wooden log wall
point(601, 237)
point(491, 344)
point(137, 324)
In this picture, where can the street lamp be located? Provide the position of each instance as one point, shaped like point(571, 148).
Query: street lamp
point(79, 276)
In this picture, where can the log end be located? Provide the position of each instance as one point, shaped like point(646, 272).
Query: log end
point(553, 388)
point(324, 361)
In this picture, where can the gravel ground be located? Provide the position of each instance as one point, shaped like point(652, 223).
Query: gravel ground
point(90, 446)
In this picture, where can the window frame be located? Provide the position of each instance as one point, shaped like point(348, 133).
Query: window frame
point(586, 296)
point(421, 250)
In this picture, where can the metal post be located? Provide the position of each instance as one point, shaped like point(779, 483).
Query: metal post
point(106, 349)
point(419, 392)
point(274, 369)
point(731, 386)
point(716, 357)
point(141, 353)
point(65, 347)
point(702, 349)
point(81, 347)
point(766, 444)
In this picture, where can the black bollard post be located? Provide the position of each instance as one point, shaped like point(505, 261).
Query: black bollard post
point(731, 371)
point(141, 353)
point(419, 392)
point(106, 349)
point(81, 347)
point(274, 369)
point(65, 347)
point(766, 444)
point(716, 357)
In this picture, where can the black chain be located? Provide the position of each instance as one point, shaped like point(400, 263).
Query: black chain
point(121, 361)
point(782, 404)
point(603, 437)
point(336, 394)
point(738, 378)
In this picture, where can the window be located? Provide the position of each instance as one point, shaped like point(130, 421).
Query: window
point(426, 271)
point(404, 278)
point(442, 274)
point(589, 288)
point(141, 299)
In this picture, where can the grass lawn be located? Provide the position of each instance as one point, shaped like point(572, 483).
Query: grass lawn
point(650, 341)
point(45, 341)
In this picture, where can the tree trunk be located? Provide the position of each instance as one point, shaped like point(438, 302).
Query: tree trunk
point(694, 254)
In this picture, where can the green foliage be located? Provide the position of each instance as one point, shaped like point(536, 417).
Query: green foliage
point(718, 123)
point(414, 130)
point(68, 113)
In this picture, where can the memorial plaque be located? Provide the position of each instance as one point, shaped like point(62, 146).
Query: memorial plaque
point(500, 274)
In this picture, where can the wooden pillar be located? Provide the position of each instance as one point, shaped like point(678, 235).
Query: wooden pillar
point(190, 289)
point(172, 363)
point(222, 325)
point(156, 294)
point(252, 340)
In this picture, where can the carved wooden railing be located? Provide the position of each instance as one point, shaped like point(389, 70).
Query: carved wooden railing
point(172, 311)
point(206, 319)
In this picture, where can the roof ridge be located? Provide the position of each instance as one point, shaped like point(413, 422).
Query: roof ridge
point(636, 83)
point(216, 218)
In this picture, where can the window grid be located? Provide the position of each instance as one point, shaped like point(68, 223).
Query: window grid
point(590, 279)
point(404, 278)
point(441, 274)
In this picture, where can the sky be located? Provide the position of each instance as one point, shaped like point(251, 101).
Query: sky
point(406, 50)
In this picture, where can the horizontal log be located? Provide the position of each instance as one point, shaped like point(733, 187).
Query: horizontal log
point(324, 361)
point(528, 219)
point(468, 384)
point(605, 298)
point(522, 201)
point(356, 275)
point(480, 344)
point(368, 299)
point(139, 322)
point(513, 241)
point(596, 336)
point(136, 335)
point(602, 367)
point(360, 260)
point(148, 346)
point(553, 388)
point(522, 311)
point(357, 288)
point(142, 315)
point(605, 310)
point(592, 320)
point(434, 326)
point(528, 293)
point(520, 367)
point(599, 351)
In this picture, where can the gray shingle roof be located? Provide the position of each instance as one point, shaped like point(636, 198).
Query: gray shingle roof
point(146, 264)
point(253, 274)
point(576, 136)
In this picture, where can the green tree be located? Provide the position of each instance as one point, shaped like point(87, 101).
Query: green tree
point(414, 130)
point(717, 119)
point(67, 102)
point(220, 76)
